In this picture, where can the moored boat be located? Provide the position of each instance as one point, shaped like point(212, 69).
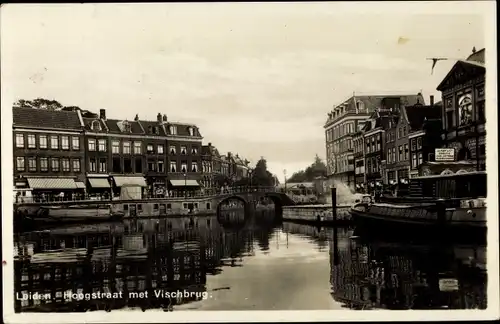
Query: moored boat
point(75, 213)
point(458, 206)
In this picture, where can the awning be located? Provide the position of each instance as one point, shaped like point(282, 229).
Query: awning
point(80, 185)
point(182, 183)
point(52, 183)
point(99, 182)
point(130, 181)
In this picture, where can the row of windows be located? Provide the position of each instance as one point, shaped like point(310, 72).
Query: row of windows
point(126, 148)
point(41, 164)
point(56, 142)
point(403, 152)
point(392, 135)
point(416, 159)
point(339, 131)
point(372, 165)
point(373, 143)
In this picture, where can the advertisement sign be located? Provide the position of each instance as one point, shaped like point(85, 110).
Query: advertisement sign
point(444, 154)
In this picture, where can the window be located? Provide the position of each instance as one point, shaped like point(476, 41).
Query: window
point(419, 143)
point(400, 157)
point(413, 145)
point(173, 130)
point(406, 152)
point(394, 155)
point(450, 119)
point(172, 149)
point(19, 140)
point(404, 131)
point(414, 160)
point(389, 156)
point(150, 148)
point(151, 166)
point(76, 165)
point(137, 148)
point(117, 165)
point(194, 167)
point(160, 149)
point(65, 142)
point(480, 111)
point(65, 165)
point(173, 166)
point(138, 165)
point(91, 144)
point(102, 165)
point(420, 158)
point(191, 131)
point(369, 165)
point(54, 164)
point(378, 144)
point(127, 166)
point(184, 167)
point(127, 127)
point(54, 142)
point(96, 125)
point(20, 163)
point(44, 164)
point(75, 143)
point(115, 147)
point(32, 164)
point(102, 145)
point(465, 109)
point(93, 165)
point(194, 150)
point(183, 150)
point(43, 141)
point(161, 167)
point(31, 141)
point(126, 147)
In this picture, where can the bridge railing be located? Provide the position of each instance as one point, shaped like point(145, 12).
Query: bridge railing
point(205, 193)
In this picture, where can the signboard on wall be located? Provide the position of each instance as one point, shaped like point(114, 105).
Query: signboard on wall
point(444, 154)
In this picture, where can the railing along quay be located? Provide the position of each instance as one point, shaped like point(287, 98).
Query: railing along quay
point(206, 194)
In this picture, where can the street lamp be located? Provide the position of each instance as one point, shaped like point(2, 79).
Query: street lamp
point(185, 185)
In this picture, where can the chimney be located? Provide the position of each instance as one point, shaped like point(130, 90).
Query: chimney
point(165, 118)
point(209, 144)
point(432, 100)
point(136, 118)
point(102, 114)
point(159, 117)
point(473, 49)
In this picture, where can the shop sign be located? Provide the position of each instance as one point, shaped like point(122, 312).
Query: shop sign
point(445, 154)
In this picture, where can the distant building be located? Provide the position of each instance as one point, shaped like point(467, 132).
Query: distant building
point(347, 119)
point(48, 152)
point(463, 110)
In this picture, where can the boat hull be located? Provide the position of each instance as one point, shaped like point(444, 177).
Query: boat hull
point(373, 224)
point(72, 214)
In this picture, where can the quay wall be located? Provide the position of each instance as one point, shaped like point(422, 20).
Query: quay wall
point(315, 213)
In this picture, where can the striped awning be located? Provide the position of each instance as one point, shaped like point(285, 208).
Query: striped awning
point(52, 183)
point(80, 185)
point(183, 183)
point(130, 181)
point(99, 182)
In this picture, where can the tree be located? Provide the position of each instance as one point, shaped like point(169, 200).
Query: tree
point(39, 103)
point(316, 169)
point(260, 175)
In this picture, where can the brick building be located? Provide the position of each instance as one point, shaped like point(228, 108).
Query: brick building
point(48, 152)
point(463, 111)
point(359, 160)
point(184, 157)
point(211, 166)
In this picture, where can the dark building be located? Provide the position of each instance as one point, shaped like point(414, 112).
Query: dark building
point(184, 157)
point(359, 160)
point(374, 137)
point(48, 153)
point(463, 111)
point(211, 166)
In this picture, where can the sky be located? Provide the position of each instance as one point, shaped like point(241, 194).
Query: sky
point(257, 79)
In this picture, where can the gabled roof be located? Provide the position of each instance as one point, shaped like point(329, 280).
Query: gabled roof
point(149, 127)
point(460, 73)
point(43, 119)
point(477, 56)
point(416, 115)
point(116, 126)
point(87, 122)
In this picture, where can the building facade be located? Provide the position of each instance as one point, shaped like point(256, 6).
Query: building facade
point(48, 153)
point(359, 161)
point(343, 124)
point(463, 111)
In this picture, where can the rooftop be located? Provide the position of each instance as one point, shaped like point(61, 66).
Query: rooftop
point(41, 118)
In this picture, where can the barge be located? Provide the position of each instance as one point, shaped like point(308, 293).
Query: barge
point(451, 204)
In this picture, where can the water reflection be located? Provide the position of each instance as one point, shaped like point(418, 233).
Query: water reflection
point(140, 263)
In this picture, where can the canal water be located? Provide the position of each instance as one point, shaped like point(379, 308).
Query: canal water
point(233, 262)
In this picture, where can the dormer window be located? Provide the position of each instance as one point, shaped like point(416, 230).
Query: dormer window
point(96, 125)
point(191, 131)
point(173, 130)
point(127, 128)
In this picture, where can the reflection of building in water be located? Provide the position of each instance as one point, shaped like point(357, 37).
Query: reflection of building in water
point(136, 256)
point(395, 277)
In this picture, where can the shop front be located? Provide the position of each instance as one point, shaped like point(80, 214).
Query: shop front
point(157, 187)
point(55, 189)
point(183, 188)
point(128, 187)
point(99, 187)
